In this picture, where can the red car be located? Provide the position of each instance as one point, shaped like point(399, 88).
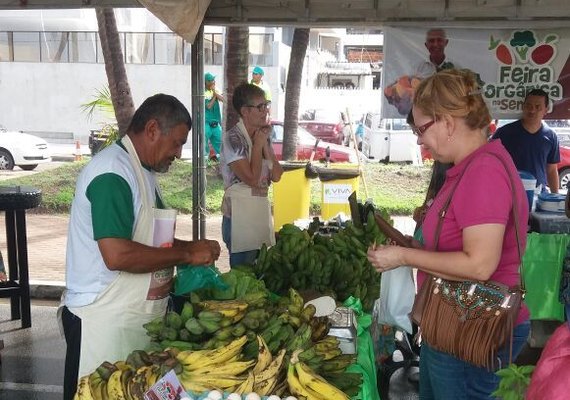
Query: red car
point(326, 125)
point(306, 143)
point(564, 167)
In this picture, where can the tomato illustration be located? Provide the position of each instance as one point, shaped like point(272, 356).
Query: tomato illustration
point(504, 54)
point(542, 54)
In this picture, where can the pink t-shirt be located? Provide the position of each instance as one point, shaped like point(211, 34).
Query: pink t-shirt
point(483, 196)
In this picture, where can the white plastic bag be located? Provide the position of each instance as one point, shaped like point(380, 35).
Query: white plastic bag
point(397, 293)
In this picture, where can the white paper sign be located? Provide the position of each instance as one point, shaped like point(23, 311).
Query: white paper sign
point(336, 193)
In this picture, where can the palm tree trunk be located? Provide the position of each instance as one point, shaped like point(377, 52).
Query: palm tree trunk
point(115, 68)
point(236, 65)
point(293, 92)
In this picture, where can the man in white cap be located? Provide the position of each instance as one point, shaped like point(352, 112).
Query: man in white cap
point(257, 80)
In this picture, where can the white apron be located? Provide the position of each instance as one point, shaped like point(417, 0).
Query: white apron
point(111, 327)
point(252, 223)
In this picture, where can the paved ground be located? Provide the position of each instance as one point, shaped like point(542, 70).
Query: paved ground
point(47, 237)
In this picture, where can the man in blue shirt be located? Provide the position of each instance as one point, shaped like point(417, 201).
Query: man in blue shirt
point(531, 143)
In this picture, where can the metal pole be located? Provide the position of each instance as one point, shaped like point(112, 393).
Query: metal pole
point(198, 162)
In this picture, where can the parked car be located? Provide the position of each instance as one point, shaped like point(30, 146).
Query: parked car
point(389, 139)
point(564, 168)
point(326, 125)
point(306, 143)
point(22, 149)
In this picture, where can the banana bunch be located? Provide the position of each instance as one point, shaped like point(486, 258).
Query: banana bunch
point(266, 375)
point(221, 369)
point(303, 382)
point(126, 380)
point(333, 264)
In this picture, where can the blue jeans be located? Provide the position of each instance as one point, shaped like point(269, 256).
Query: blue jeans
point(444, 377)
point(244, 257)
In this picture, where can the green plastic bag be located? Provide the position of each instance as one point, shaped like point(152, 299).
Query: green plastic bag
point(193, 277)
point(542, 273)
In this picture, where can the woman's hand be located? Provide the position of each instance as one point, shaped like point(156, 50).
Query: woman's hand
point(385, 258)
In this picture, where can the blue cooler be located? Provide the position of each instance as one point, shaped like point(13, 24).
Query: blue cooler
point(529, 183)
point(551, 202)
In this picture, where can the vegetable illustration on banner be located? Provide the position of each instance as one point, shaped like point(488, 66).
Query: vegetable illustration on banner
point(524, 63)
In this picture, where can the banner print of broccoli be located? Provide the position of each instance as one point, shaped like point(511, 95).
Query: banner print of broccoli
point(521, 42)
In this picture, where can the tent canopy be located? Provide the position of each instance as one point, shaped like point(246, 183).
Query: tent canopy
point(320, 13)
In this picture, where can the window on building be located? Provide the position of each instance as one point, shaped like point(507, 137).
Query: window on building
point(168, 48)
point(26, 46)
point(261, 49)
point(100, 58)
point(213, 49)
point(140, 48)
point(83, 47)
point(54, 46)
point(6, 48)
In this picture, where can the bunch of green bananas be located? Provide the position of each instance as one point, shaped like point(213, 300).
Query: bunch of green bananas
point(304, 382)
point(335, 264)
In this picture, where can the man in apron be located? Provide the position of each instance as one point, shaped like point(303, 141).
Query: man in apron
point(121, 248)
point(248, 168)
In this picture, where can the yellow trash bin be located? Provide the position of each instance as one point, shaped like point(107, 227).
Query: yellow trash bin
point(337, 184)
point(291, 195)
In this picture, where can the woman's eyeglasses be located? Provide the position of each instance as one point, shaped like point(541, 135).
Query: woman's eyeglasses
point(420, 130)
point(261, 107)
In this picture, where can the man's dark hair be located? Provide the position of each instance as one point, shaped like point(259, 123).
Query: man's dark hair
point(244, 94)
point(166, 109)
point(538, 92)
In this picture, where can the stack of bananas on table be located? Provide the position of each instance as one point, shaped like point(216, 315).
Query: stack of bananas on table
point(304, 382)
point(222, 369)
point(129, 379)
point(209, 324)
point(333, 264)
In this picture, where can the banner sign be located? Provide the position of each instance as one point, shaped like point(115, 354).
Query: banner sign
point(509, 63)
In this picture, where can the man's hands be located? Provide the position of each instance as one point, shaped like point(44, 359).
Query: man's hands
point(203, 252)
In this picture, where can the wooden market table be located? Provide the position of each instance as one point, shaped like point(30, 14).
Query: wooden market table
point(14, 201)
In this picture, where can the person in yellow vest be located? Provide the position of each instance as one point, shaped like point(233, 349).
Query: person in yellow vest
point(121, 248)
point(213, 116)
point(257, 80)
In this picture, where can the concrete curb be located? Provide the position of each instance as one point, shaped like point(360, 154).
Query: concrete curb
point(46, 290)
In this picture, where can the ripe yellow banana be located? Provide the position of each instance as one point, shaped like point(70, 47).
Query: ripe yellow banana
point(295, 385)
point(219, 382)
point(264, 356)
point(265, 388)
point(192, 360)
point(191, 386)
point(234, 368)
point(114, 386)
point(311, 380)
point(83, 389)
point(247, 385)
point(98, 386)
point(273, 369)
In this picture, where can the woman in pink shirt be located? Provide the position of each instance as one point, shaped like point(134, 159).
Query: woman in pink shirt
point(477, 239)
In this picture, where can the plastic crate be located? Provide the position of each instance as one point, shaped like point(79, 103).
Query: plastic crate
point(545, 222)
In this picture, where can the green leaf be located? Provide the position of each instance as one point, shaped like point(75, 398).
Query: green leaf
point(527, 369)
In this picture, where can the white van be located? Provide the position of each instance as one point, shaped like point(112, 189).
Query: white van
point(389, 140)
